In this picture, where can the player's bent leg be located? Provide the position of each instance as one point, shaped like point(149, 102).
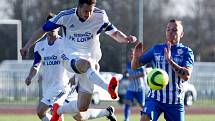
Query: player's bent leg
point(84, 100)
point(42, 111)
point(96, 113)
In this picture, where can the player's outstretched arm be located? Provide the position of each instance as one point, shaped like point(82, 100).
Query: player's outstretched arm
point(34, 38)
point(122, 38)
point(138, 51)
point(31, 74)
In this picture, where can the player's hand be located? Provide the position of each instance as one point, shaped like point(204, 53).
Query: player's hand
point(71, 81)
point(131, 39)
point(138, 50)
point(167, 51)
point(24, 52)
point(28, 81)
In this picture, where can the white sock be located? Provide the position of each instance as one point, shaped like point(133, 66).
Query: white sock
point(71, 108)
point(96, 78)
point(94, 113)
point(47, 117)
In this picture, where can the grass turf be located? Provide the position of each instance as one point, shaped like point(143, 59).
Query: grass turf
point(13, 117)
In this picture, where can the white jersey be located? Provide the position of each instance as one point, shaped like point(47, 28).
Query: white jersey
point(83, 37)
point(54, 75)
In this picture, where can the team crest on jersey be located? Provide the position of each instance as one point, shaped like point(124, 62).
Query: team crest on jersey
point(180, 51)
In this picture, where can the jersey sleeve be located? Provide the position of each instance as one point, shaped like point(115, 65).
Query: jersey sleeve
point(37, 56)
point(58, 20)
point(188, 58)
point(147, 56)
point(108, 26)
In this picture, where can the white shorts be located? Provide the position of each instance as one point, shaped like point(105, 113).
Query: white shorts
point(73, 95)
point(52, 96)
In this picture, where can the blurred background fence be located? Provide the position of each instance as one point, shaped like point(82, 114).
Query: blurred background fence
point(14, 91)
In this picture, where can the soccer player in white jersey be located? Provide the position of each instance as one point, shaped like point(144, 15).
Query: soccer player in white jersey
point(177, 60)
point(54, 79)
point(82, 52)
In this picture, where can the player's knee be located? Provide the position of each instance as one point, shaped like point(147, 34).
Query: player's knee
point(83, 108)
point(145, 117)
point(40, 114)
point(127, 102)
point(82, 65)
point(78, 117)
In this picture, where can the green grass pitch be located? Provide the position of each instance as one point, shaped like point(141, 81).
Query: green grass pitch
point(119, 117)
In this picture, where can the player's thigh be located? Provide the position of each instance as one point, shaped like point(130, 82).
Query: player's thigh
point(75, 63)
point(82, 65)
point(84, 100)
point(174, 112)
point(151, 110)
point(140, 97)
point(129, 96)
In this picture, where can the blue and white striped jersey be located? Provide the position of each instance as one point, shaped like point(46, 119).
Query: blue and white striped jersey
point(82, 37)
point(173, 93)
point(136, 84)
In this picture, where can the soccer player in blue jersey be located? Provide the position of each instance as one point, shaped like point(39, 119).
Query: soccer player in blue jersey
point(177, 60)
point(135, 88)
point(81, 51)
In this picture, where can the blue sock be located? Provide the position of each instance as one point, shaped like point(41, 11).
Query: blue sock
point(127, 112)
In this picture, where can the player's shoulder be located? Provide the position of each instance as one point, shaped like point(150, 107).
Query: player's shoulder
point(159, 45)
point(40, 43)
point(67, 12)
point(185, 47)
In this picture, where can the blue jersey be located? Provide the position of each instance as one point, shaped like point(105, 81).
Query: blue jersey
point(136, 84)
point(183, 56)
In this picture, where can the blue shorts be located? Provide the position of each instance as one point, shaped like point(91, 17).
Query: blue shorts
point(172, 112)
point(139, 96)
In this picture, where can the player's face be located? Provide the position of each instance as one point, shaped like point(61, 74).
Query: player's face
point(173, 32)
point(53, 32)
point(85, 11)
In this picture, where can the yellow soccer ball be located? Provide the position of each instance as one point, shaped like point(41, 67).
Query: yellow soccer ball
point(157, 79)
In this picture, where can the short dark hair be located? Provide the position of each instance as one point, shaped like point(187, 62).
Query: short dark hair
point(178, 22)
point(175, 21)
point(50, 15)
point(88, 2)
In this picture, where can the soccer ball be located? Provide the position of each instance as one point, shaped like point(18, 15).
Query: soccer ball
point(157, 79)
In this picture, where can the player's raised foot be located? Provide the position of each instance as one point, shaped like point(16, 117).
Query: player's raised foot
point(111, 115)
point(55, 116)
point(112, 88)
